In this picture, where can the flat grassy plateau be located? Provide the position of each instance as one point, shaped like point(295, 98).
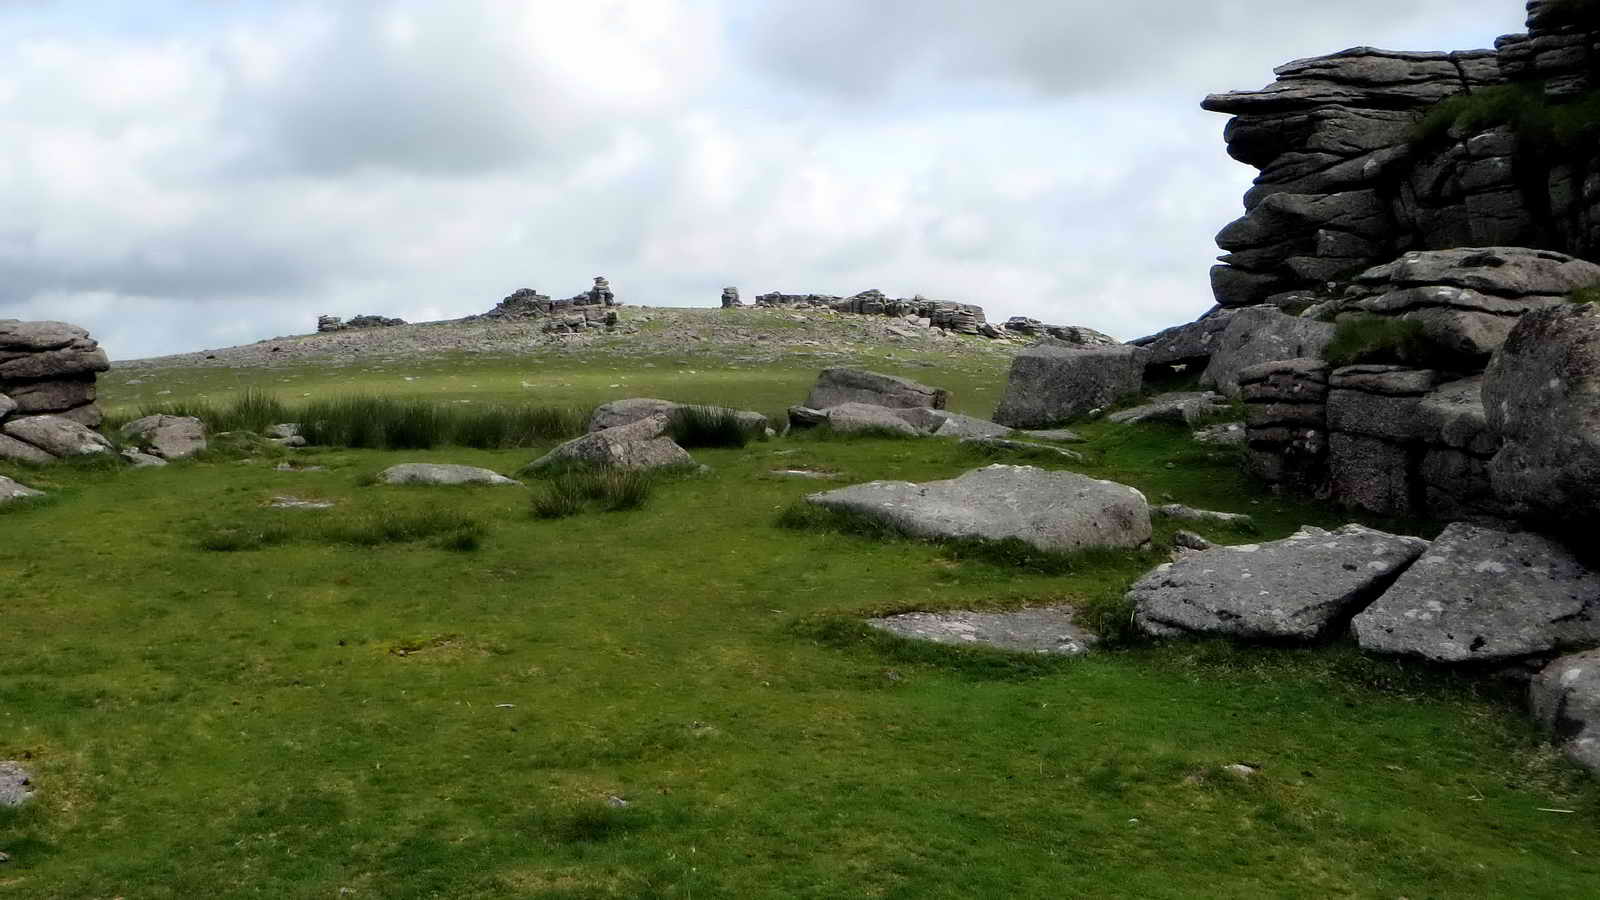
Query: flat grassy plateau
point(679, 700)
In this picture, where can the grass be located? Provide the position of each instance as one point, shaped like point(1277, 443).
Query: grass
point(708, 426)
point(1589, 294)
point(1545, 129)
point(1382, 339)
point(261, 529)
point(573, 491)
point(400, 720)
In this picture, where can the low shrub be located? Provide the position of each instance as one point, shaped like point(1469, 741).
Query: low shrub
point(1545, 128)
point(1380, 339)
point(708, 426)
point(1590, 294)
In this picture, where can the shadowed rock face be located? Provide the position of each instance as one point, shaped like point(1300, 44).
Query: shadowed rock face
point(1482, 595)
point(49, 368)
point(1051, 383)
point(1565, 700)
point(839, 386)
point(1295, 589)
point(1059, 511)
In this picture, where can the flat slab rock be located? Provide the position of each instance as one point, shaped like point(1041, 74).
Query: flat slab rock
point(1565, 699)
point(1289, 590)
point(441, 473)
point(1044, 630)
point(1482, 595)
point(1058, 511)
point(16, 784)
point(638, 445)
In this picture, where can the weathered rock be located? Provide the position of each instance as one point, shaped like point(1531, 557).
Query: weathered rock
point(169, 437)
point(142, 460)
point(1048, 630)
point(1190, 344)
point(955, 425)
point(806, 417)
point(1060, 511)
point(11, 490)
point(51, 396)
point(1262, 335)
point(854, 418)
point(16, 783)
point(1185, 408)
point(1565, 699)
point(1483, 595)
point(282, 431)
point(1541, 394)
point(730, 298)
point(55, 435)
point(1296, 589)
point(441, 473)
point(1189, 514)
point(1222, 434)
point(19, 451)
point(626, 412)
point(637, 445)
point(1062, 435)
point(1051, 382)
point(1188, 540)
point(1028, 447)
point(7, 406)
point(838, 386)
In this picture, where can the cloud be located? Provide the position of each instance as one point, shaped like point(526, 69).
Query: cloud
point(205, 174)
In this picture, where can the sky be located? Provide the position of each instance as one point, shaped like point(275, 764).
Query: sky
point(176, 176)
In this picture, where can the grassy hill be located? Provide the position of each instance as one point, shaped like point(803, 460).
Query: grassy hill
point(680, 700)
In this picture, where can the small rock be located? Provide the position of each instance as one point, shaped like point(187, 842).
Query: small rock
point(16, 783)
point(11, 490)
point(1189, 514)
point(438, 473)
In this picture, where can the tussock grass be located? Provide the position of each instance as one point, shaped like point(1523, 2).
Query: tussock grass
point(708, 426)
point(575, 490)
point(1545, 128)
point(1590, 294)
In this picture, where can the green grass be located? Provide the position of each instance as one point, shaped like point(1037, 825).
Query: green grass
point(573, 491)
point(1546, 129)
point(708, 426)
point(260, 529)
point(401, 720)
point(1381, 339)
point(1590, 294)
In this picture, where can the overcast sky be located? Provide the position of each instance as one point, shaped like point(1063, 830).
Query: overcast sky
point(176, 176)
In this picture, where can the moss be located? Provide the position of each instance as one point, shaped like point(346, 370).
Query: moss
point(1379, 339)
point(1590, 294)
point(1545, 128)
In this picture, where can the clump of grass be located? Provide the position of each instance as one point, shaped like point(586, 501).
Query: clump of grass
point(1380, 339)
point(254, 535)
point(707, 426)
point(1545, 128)
point(573, 491)
point(803, 516)
point(506, 427)
point(1589, 294)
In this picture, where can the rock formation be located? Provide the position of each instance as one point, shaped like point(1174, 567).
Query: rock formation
point(962, 318)
point(592, 309)
point(840, 385)
point(329, 324)
point(1051, 382)
point(730, 298)
point(49, 368)
point(1350, 177)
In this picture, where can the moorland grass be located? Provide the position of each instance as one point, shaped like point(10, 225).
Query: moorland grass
point(1588, 294)
point(1380, 339)
point(1544, 128)
point(261, 529)
point(574, 490)
point(399, 720)
point(693, 426)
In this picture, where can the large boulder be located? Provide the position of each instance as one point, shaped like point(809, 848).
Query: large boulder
point(1052, 382)
point(1541, 394)
point(11, 490)
point(1058, 511)
point(56, 435)
point(626, 412)
point(169, 437)
point(441, 473)
point(839, 385)
point(1484, 595)
point(855, 418)
point(637, 445)
point(1295, 589)
point(1565, 700)
point(1260, 335)
point(19, 451)
point(1190, 344)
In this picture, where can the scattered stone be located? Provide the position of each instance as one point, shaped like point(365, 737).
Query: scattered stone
point(1051, 510)
point(1484, 595)
point(1060, 435)
point(1172, 409)
point(283, 431)
point(638, 445)
point(56, 436)
point(1045, 630)
point(805, 473)
point(955, 425)
point(298, 503)
point(292, 467)
point(16, 783)
point(1565, 700)
point(996, 443)
point(838, 386)
point(853, 418)
point(1188, 540)
point(1190, 514)
point(142, 460)
point(11, 490)
point(1223, 434)
point(1052, 382)
point(441, 473)
point(1296, 589)
point(169, 437)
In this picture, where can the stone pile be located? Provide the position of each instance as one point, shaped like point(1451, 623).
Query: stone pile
point(329, 324)
point(962, 318)
point(590, 310)
point(1067, 334)
point(730, 298)
point(1345, 183)
point(855, 401)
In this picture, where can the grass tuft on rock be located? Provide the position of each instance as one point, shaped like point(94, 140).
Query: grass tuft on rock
point(1380, 339)
point(1589, 294)
point(707, 426)
point(1544, 128)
